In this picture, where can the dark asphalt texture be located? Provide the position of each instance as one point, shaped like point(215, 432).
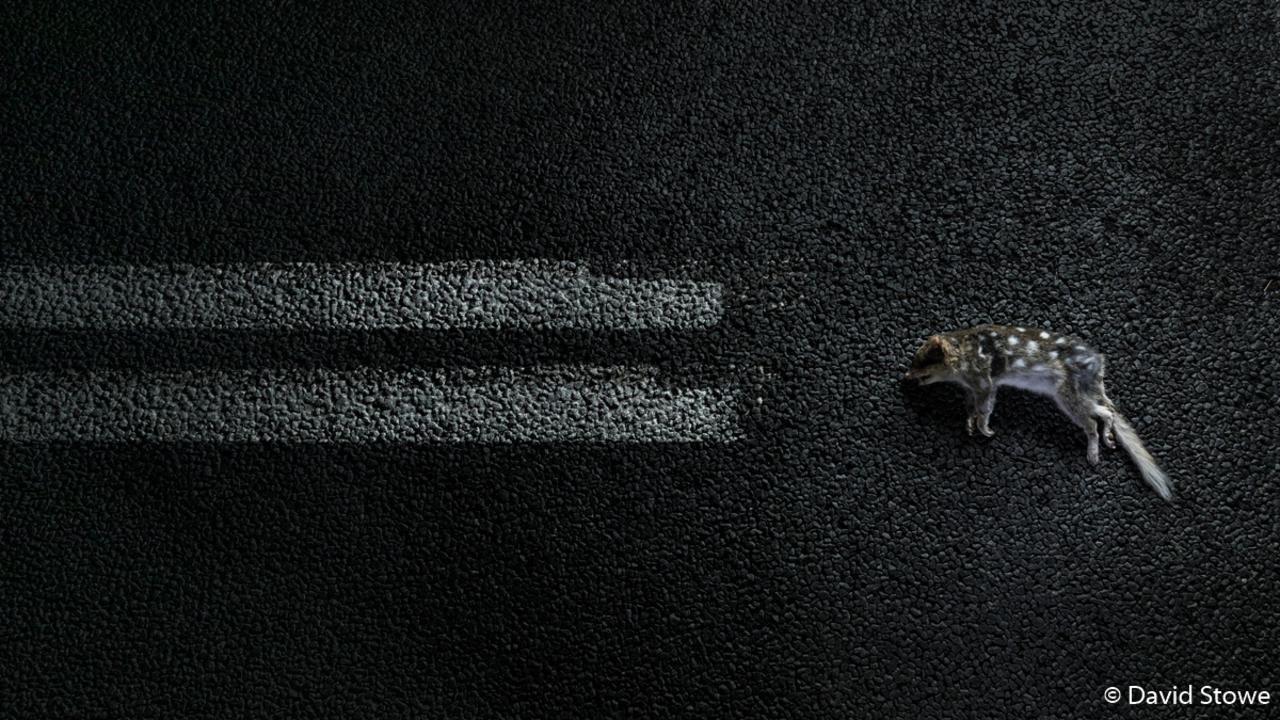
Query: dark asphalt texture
point(857, 177)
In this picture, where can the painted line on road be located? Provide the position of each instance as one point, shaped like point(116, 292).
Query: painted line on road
point(367, 405)
point(472, 294)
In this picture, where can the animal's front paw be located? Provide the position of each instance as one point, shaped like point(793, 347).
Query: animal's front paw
point(1093, 455)
point(982, 426)
point(978, 422)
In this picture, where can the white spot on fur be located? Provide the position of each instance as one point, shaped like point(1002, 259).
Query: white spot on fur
point(1013, 339)
point(1019, 363)
point(1081, 348)
point(1044, 335)
point(1020, 329)
point(1053, 354)
point(1032, 346)
point(1060, 341)
point(1037, 367)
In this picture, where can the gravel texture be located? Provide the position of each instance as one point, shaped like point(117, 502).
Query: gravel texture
point(854, 178)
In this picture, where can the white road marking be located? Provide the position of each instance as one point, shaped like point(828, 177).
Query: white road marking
point(475, 294)
point(367, 405)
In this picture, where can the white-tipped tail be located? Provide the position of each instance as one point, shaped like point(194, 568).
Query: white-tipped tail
point(1151, 472)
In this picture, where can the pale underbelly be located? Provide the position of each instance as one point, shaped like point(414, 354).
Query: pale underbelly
point(1042, 382)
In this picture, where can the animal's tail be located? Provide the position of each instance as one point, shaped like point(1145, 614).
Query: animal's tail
point(1151, 472)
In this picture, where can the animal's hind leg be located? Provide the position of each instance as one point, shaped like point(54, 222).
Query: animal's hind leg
point(1104, 410)
point(1081, 413)
point(1108, 419)
point(1091, 436)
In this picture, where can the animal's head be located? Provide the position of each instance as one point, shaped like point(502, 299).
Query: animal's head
point(932, 362)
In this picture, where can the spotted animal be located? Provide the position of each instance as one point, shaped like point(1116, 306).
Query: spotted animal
point(984, 358)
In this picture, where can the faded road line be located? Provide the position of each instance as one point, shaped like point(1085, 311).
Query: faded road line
point(477, 405)
point(477, 294)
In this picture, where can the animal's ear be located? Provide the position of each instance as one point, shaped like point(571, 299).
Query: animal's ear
point(937, 349)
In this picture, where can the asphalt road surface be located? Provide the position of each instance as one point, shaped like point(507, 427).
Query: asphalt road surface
point(465, 361)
